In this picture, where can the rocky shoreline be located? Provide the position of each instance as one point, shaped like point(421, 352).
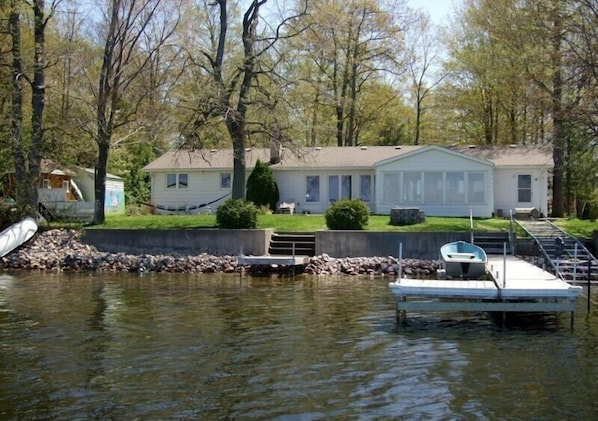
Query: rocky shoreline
point(63, 250)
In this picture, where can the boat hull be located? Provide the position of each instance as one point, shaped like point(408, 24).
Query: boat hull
point(464, 260)
point(17, 234)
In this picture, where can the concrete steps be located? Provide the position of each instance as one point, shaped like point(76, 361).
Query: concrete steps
point(292, 244)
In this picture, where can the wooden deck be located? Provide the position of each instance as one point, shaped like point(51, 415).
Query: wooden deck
point(513, 285)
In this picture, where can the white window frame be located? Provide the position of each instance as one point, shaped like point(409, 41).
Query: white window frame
point(226, 181)
point(312, 196)
point(522, 189)
point(177, 181)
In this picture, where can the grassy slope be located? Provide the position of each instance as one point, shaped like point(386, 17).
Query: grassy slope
point(316, 222)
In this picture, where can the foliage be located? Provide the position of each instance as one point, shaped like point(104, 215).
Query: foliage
point(262, 189)
point(237, 214)
point(347, 214)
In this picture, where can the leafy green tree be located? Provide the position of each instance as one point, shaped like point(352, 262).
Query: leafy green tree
point(262, 189)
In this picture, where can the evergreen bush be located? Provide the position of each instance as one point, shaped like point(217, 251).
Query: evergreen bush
point(262, 189)
point(347, 214)
point(236, 214)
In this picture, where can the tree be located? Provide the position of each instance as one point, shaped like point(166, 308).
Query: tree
point(262, 189)
point(27, 154)
point(423, 57)
point(349, 46)
point(230, 94)
point(125, 57)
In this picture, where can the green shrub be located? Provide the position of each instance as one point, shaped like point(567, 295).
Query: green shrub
point(262, 189)
point(236, 214)
point(347, 214)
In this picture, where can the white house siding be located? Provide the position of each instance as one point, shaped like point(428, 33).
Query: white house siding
point(437, 165)
point(203, 187)
point(506, 190)
point(292, 186)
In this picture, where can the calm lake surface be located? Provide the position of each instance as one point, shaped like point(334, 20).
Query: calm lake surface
point(121, 346)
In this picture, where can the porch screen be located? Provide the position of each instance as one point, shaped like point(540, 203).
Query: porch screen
point(455, 188)
point(392, 188)
point(412, 188)
point(476, 193)
point(433, 188)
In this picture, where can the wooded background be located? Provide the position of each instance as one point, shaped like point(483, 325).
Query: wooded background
point(112, 85)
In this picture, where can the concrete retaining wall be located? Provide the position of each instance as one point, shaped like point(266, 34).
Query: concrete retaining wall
point(416, 245)
point(216, 242)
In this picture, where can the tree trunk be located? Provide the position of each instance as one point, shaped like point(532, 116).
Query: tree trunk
point(37, 102)
point(99, 215)
point(557, 116)
point(237, 133)
point(18, 149)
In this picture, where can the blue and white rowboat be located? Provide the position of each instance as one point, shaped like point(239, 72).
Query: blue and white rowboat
point(463, 260)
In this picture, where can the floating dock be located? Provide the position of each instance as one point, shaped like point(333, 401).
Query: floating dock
point(513, 285)
point(273, 260)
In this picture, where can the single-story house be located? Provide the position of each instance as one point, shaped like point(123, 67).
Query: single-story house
point(441, 181)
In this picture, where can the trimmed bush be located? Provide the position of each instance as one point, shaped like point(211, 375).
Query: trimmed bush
point(262, 189)
point(347, 214)
point(236, 214)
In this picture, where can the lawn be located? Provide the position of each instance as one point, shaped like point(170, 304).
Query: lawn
point(309, 223)
point(298, 223)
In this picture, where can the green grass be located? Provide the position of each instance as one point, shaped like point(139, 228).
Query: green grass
point(305, 223)
point(577, 227)
point(309, 223)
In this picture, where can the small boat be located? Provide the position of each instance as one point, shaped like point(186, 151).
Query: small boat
point(17, 234)
point(463, 260)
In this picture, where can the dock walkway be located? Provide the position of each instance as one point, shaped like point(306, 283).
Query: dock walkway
point(514, 285)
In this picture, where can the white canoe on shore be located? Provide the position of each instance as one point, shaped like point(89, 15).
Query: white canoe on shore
point(17, 234)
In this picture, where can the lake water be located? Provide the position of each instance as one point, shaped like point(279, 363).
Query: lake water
point(121, 346)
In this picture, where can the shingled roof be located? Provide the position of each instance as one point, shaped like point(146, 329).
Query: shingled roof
point(345, 157)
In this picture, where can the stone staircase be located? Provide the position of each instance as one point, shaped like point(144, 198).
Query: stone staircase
point(292, 244)
point(565, 255)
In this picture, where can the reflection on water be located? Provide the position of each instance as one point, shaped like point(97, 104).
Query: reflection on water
point(119, 346)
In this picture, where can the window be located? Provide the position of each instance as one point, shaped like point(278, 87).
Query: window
point(524, 188)
point(46, 184)
point(433, 188)
point(312, 188)
point(333, 188)
point(476, 191)
point(455, 188)
point(365, 188)
point(66, 185)
point(346, 186)
point(177, 181)
point(339, 187)
point(392, 190)
point(225, 180)
point(183, 181)
point(412, 188)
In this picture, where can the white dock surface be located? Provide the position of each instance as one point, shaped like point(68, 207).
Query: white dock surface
point(522, 280)
point(273, 260)
point(521, 287)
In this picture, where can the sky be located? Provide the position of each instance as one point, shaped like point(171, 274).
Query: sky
point(438, 9)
